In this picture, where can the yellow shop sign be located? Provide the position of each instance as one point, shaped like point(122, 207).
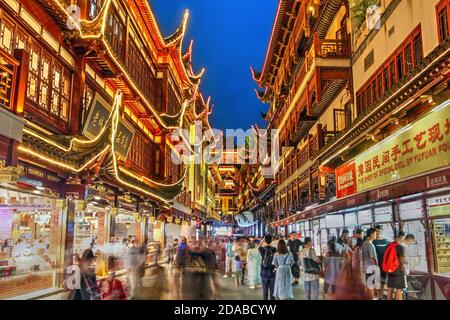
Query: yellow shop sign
point(420, 147)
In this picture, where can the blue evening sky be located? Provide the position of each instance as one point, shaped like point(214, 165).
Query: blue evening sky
point(229, 36)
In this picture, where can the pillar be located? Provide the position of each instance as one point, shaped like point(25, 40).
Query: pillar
point(79, 78)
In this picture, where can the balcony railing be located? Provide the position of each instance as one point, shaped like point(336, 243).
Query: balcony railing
point(185, 198)
point(314, 145)
point(331, 48)
point(302, 156)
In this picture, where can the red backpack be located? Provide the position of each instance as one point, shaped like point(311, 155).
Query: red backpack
point(390, 259)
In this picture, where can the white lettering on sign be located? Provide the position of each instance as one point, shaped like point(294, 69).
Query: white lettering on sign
point(374, 280)
point(346, 180)
point(73, 278)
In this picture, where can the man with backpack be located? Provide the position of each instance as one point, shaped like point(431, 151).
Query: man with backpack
point(395, 264)
point(267, 253)
point(294, 245)
point(380, 244)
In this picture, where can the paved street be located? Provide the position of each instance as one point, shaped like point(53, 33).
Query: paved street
point(170, 286)
point(164, 283)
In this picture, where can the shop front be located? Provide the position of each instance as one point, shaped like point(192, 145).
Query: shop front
point(32, 216)
point(402, 183)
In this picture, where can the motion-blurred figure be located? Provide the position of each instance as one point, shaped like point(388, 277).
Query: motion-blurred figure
point(198, 281)
point(135, 269)
point(111, 287)
point(182, 255)
point(88, 286)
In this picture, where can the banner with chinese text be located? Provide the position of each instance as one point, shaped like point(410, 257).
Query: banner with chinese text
point(418, 148)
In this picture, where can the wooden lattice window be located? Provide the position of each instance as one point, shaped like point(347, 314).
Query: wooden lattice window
point(443, 19)
point(49, 84)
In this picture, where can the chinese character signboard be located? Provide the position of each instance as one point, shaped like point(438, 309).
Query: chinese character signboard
point(346, 180)
point(418, 148)
point(98, 116)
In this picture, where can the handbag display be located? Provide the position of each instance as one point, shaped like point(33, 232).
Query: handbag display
point(310, 265)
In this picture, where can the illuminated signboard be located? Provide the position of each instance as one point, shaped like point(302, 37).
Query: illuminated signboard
point(98, 116)
point(417, 148)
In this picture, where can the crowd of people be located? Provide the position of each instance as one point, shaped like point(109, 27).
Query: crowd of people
point(355, 267)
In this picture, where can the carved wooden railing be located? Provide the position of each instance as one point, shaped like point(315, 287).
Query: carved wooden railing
point(314, 145)
point(302, 157)
point(331, 48)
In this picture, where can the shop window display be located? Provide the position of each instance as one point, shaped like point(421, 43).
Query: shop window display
point(85, 234)
point(365, 217)
point(29, 238)
point(351, 223)
point(441, 237)
point(439, 212)
point(411, 210)
point(316, 236)
point(383, 214)
point(417, 251)
point(335, 224)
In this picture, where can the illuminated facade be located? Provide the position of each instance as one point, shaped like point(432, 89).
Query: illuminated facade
point(305, 79)
point(372, 146)
point(88, 103)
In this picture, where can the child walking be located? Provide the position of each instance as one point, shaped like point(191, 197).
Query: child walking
point(238, 270)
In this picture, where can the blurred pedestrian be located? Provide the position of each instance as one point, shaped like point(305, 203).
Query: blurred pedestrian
point(229, 258)
point(311, 266)
point(343, 246)
point(182, 255)
point(135, 269)
point(283, 261)
point(111, 287)
point(238, 270)
point(267, 253)
point(332, 264)
point(253, 266)
point(369, 260)
point(89, 289)
point(294, 246)
point(357, 254)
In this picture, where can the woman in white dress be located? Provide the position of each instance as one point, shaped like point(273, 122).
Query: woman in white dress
point(253, 266)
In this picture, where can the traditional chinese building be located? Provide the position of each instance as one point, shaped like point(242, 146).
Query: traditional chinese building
point(90, 92)
point(389, 156)
point(305, 80)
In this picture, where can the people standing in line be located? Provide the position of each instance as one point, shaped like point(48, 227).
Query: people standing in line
point(283, 261)
point(267, 253)
point(294, 245)
point(238, 270)
point(356, 256)
point(343, 244)
point(332, 264)
point(380, 244)
point(253, 266)
point(182, 254)
point(89, 289)
point(396, 280)
point(369, 259)
point(310, 280)
point(229, 258)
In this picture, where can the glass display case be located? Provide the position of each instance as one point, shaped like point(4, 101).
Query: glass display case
point(441, 239)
